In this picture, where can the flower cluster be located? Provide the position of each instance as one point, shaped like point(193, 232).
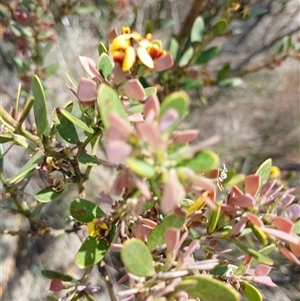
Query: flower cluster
point(129, 48)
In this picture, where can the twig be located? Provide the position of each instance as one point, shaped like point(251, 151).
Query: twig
point(105, 275)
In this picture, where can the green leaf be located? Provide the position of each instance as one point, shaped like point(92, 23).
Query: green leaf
point(91, 252)
point(268, 250)
point(296, 228)
point(102, 48)
point(88, 160)
point(105, 65)
point(190, 84)
point(85, 211)
point(222, 270)
point(19, 29)
point(186, 57)
point(264, 171)
point(230, 82)
point(157, 236)
point(208, 289)
point(65, 128)
point(178, 101)
point(20, 140)
point(137, 108)
point(257, 11)
point(214, 218)
point(73, 119)
point(197, 30)
point(85, 10)
point(34, 161)
point(6, 138)
point(256, 255)
point(137, 258)
point(223, 73)
point(18, 98)
point(203, 161)
point(47, 194)
point(54, 274)
point(108, 101)
point(251, 292)
point(174, 47)
point(140, 167)
point(1, 158)
point(150, 90)
point(40, 107)
point(220, 27)
point(207, 55)
point(25, 112)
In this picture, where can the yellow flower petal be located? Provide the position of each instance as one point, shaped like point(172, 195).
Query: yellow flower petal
point(145, 57)
point(129, 58)
point(274, 172)
point(103, 226)
point(120, 42)
point(135, 35)
point(125, 30)
point(91, 229)
point(145, 43)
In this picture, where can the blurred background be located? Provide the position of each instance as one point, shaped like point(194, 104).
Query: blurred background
point(257, 119)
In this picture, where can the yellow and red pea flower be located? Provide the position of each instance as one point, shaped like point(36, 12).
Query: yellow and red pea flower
point(128, 47)
point(96, 229)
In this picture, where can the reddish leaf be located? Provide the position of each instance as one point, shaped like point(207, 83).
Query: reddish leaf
point(203, 183)
point(56, 285)
point(252, 183)
point(243, 201)
point(172, 194)
point(254, 219)
point(239, 226)
point(122, 182)
point(86, 62)
point(262, 270)
point(142, 187)
point(267, 187)
point(149, 133)
point(118, 75)
point(138, 232)
point(134, 89)
point(118, 129)
point(292, 212)
point(95, 71)
point(136, 117)
point(172, 237)
point(289, 255)
point(194, 245)
point(185, 136)
point(266, 280)
point(163, 63)
point(87, 91)
point(151, 108)
point(295, 248)
point(283, 224)
point(168, 119)
point(287, 200)
point(117, 151)
point(237, 191)
point(281, 235)
point(112, 34)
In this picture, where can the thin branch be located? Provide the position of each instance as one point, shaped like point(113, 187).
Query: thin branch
point(105, 275)
point(262, 49)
